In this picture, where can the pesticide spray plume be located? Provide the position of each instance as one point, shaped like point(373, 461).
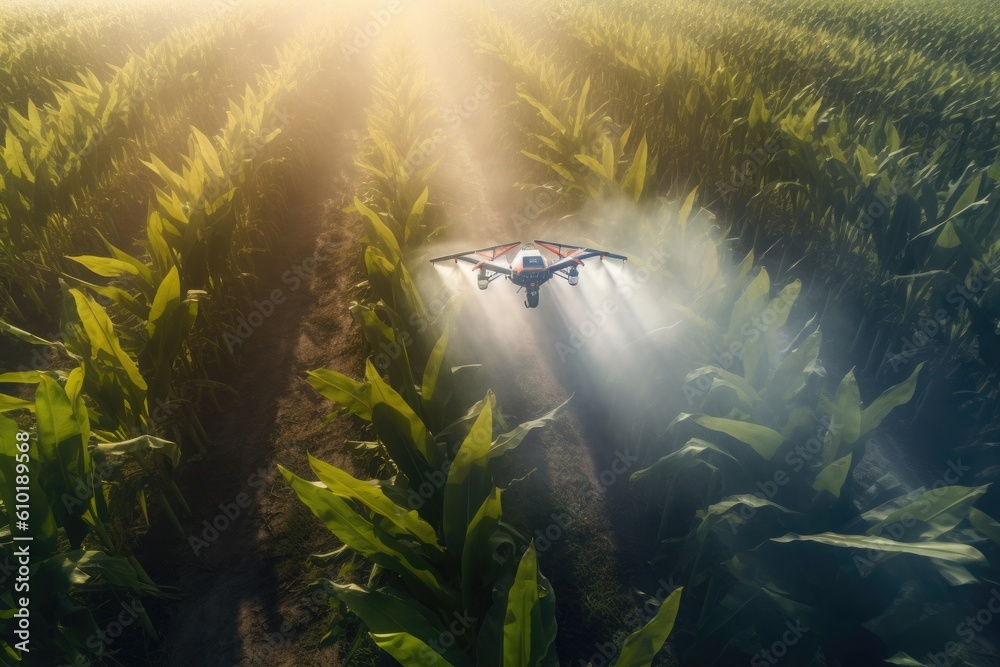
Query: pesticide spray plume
point(616, 332)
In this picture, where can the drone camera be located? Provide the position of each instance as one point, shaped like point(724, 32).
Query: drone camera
point(574, 276)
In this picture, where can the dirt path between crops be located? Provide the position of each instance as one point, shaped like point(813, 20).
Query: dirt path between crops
point(575, 498)
point(239, 578)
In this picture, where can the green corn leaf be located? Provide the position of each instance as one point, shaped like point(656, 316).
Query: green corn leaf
point(372, 497)
point(832, 477)
point(159, 248)
point(21, 377)
point(106, 267)
point(143, 443)
point(378, 233)
point(43, 523)
point(395, 432)
point(581, 109)
point(382, 393)
point(405, 294)
point(560, 170)
point(415, 217)
point(101, 334)
point(140, 269)
point(408, 650)
point(754, 357)
point(684, 215)
point(505, 442)
point(522, 606)
point(432, 370)
point(465, 422)
point(781, 306)
point(756, 109)
point(948, 551)
point(693, 453)
point(900, 658)
point(608, 157)
point(748, 305)
point(175, 181)
point(168, 297)
point(716, 513)
point(931, 515)
point(594, 165)
point(352, 395)
point(985, 524)
point(468, 482)
point(994, 171)
point(760, 345)
point(377, 264)
point(54, 417)
point(544, 112)
point(362, 536)
point(954, 574)
point(748, 399)
point(13, 404)
point(388, 613)
point(845, 423)
point(745, 391)
point(96, 569)
point(116, 294)
point(25, 336)
point(761, 439)
point(890, 399)
point(477, 551)
point(634, 181)
point(208, 153)
point(386, 610)
point(641, 647)
point(793, 371)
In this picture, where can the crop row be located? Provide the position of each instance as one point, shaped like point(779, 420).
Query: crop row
point(959, 31)
point(130, 354)
point(54, 154)
point(45, 44)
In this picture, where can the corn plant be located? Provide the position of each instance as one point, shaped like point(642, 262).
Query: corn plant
point(393, 200)
point(776, 425)
point(398, 158)
point(53, 154)
point(583, 151)
point(200, 235)
point(74, 560)
point(53, 43)
point(457, 550)
point(434, 526)
point(114, 381)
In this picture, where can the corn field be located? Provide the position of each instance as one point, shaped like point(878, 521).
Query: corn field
point(244, 421)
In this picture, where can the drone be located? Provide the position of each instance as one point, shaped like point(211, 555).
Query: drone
point(529, 270)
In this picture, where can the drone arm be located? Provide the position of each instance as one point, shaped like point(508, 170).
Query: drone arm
point(577, 259)
point(478, 264)
point(572, 255)
point(489, 254)
point(491, 267)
